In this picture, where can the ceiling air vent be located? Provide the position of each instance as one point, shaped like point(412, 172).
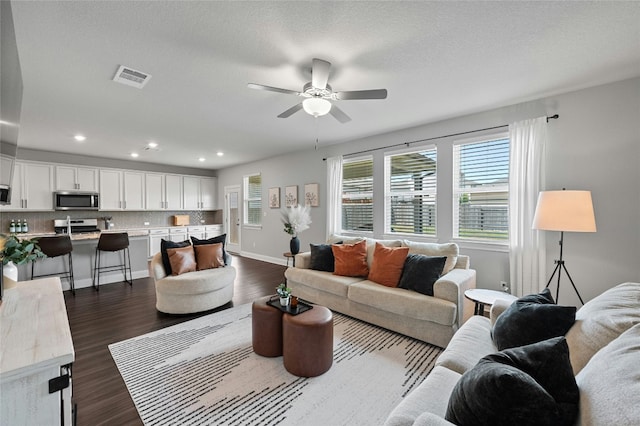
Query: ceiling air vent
point(131, 77)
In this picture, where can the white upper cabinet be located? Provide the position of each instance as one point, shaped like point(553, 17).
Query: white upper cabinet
point(163, 192)
point(121, 190)
point(72, 178)
point(200, 193)
point(32, 187)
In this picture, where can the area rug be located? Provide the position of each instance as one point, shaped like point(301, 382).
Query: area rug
point(204, 372)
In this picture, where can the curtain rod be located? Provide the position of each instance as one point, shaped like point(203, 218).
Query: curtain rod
point(551, 117)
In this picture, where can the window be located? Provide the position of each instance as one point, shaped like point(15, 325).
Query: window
point(357, 194)
point(410, 192)
point(481, 189)
point(253, 200)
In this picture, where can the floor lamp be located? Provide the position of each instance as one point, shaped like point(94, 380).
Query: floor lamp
point(564, 211)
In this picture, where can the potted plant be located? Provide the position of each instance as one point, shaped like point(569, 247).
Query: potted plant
point(285, 294)
point(17, 252)
point(296, 219)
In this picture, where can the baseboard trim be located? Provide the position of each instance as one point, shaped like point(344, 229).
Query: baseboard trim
point(108, 278)
point(269, 259)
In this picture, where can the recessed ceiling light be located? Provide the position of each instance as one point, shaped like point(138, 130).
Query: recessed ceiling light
point(201, 159)
point(152, 145)
point(134, 154)
point(220, 153)
point(80, 138)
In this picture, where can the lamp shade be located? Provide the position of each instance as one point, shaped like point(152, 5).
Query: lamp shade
point(316, 106)
point(568, 211)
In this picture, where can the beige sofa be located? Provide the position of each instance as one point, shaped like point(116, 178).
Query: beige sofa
point(433, 319)
point(192, 292)
point(604, 350)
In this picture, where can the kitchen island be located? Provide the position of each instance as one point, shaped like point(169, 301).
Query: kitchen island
point(84, 251)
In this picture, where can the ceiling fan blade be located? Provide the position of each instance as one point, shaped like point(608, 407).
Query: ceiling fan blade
point(320, 73)
point(291, 111)
point(272, 89)
point(362, 94)
point(339, 114)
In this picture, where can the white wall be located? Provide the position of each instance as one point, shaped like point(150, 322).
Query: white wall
point(595, 145)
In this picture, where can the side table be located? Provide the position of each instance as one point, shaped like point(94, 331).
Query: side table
point(483, 297)
point(288, 255)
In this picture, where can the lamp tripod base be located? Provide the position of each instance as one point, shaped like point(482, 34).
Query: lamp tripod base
point(559, 268)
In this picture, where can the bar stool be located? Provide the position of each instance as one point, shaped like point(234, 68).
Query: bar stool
point(112, 242)
point(59, 245)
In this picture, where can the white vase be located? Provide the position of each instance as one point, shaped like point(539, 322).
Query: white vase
point(10, 272)
point(284, 301)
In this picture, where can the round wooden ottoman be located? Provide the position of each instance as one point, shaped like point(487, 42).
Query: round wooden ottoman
point(266, 328)
point(308, 342)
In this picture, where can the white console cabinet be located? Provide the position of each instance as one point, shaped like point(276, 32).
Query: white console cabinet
point(36, 355)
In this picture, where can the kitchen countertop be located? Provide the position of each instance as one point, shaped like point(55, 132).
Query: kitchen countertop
point(133, 232)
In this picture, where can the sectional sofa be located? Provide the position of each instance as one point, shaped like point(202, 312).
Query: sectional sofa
point(604, 353)
point(433, 319)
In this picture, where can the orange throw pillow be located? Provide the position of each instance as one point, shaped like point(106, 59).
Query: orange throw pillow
point(208, 256)
point(182, 260)
point(387, 265)
point(350, 259)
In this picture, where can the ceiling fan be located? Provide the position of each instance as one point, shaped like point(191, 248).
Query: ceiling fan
point(319, 95)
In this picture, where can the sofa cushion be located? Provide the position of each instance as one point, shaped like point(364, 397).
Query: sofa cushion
point(432, 249)
point(168, 244)
point(322, 281)
point(403, 302)
point(197, 282)
point(470, 343)
point(182, 260)
point(321, 257)
point(601, 320)
point(339, 239)
point(528, 385)
point(387, 266)
point(208, 256)
point(219, 239)
point(421, 272)
point(610, 383)
point(371, 247)
point(432, 396)
point(350, 259)
point(531, 319)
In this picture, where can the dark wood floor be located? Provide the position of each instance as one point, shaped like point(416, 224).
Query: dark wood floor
point(119, 312)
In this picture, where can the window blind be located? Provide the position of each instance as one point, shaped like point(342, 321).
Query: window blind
point(481, 189)
point(410, 192)
point(253, 199)
point(357, 194)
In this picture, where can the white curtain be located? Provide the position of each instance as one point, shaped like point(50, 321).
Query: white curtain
point(527, 254)
point(334, 195)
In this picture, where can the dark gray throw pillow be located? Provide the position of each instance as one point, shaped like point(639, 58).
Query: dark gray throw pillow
point(528, 385)
point(168, 244)
point(420, 272)
point(322, 257)
point(531, 319)
point(219, 239)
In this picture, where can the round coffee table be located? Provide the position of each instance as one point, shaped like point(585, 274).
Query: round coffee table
point(483, 297)
point(307, 341)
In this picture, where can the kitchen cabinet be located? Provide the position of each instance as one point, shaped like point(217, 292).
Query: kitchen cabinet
point(32, 187)
point(121, 190)
point(178, 234)
point(155, 238)
point(196, 231)
point(163, 192)
point(72, 178)
point(37, 353)
point(212, 231)
point(200, 193)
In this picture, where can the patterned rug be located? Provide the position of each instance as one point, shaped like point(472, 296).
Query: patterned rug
point(204, 372)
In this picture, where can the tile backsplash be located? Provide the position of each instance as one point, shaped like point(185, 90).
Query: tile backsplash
point(43, 221)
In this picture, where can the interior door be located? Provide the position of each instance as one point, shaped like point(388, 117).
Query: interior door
point(232, 215)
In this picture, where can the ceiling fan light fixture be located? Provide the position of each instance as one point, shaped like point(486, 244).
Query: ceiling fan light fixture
point(316, 106)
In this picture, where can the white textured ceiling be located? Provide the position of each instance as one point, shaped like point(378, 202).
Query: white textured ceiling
point(437, 60)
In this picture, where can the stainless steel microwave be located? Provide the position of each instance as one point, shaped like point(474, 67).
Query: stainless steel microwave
point(70, 200)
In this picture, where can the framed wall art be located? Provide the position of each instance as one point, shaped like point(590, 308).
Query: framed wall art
point(291, 196)
point(311, 196)
point(274, 198)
